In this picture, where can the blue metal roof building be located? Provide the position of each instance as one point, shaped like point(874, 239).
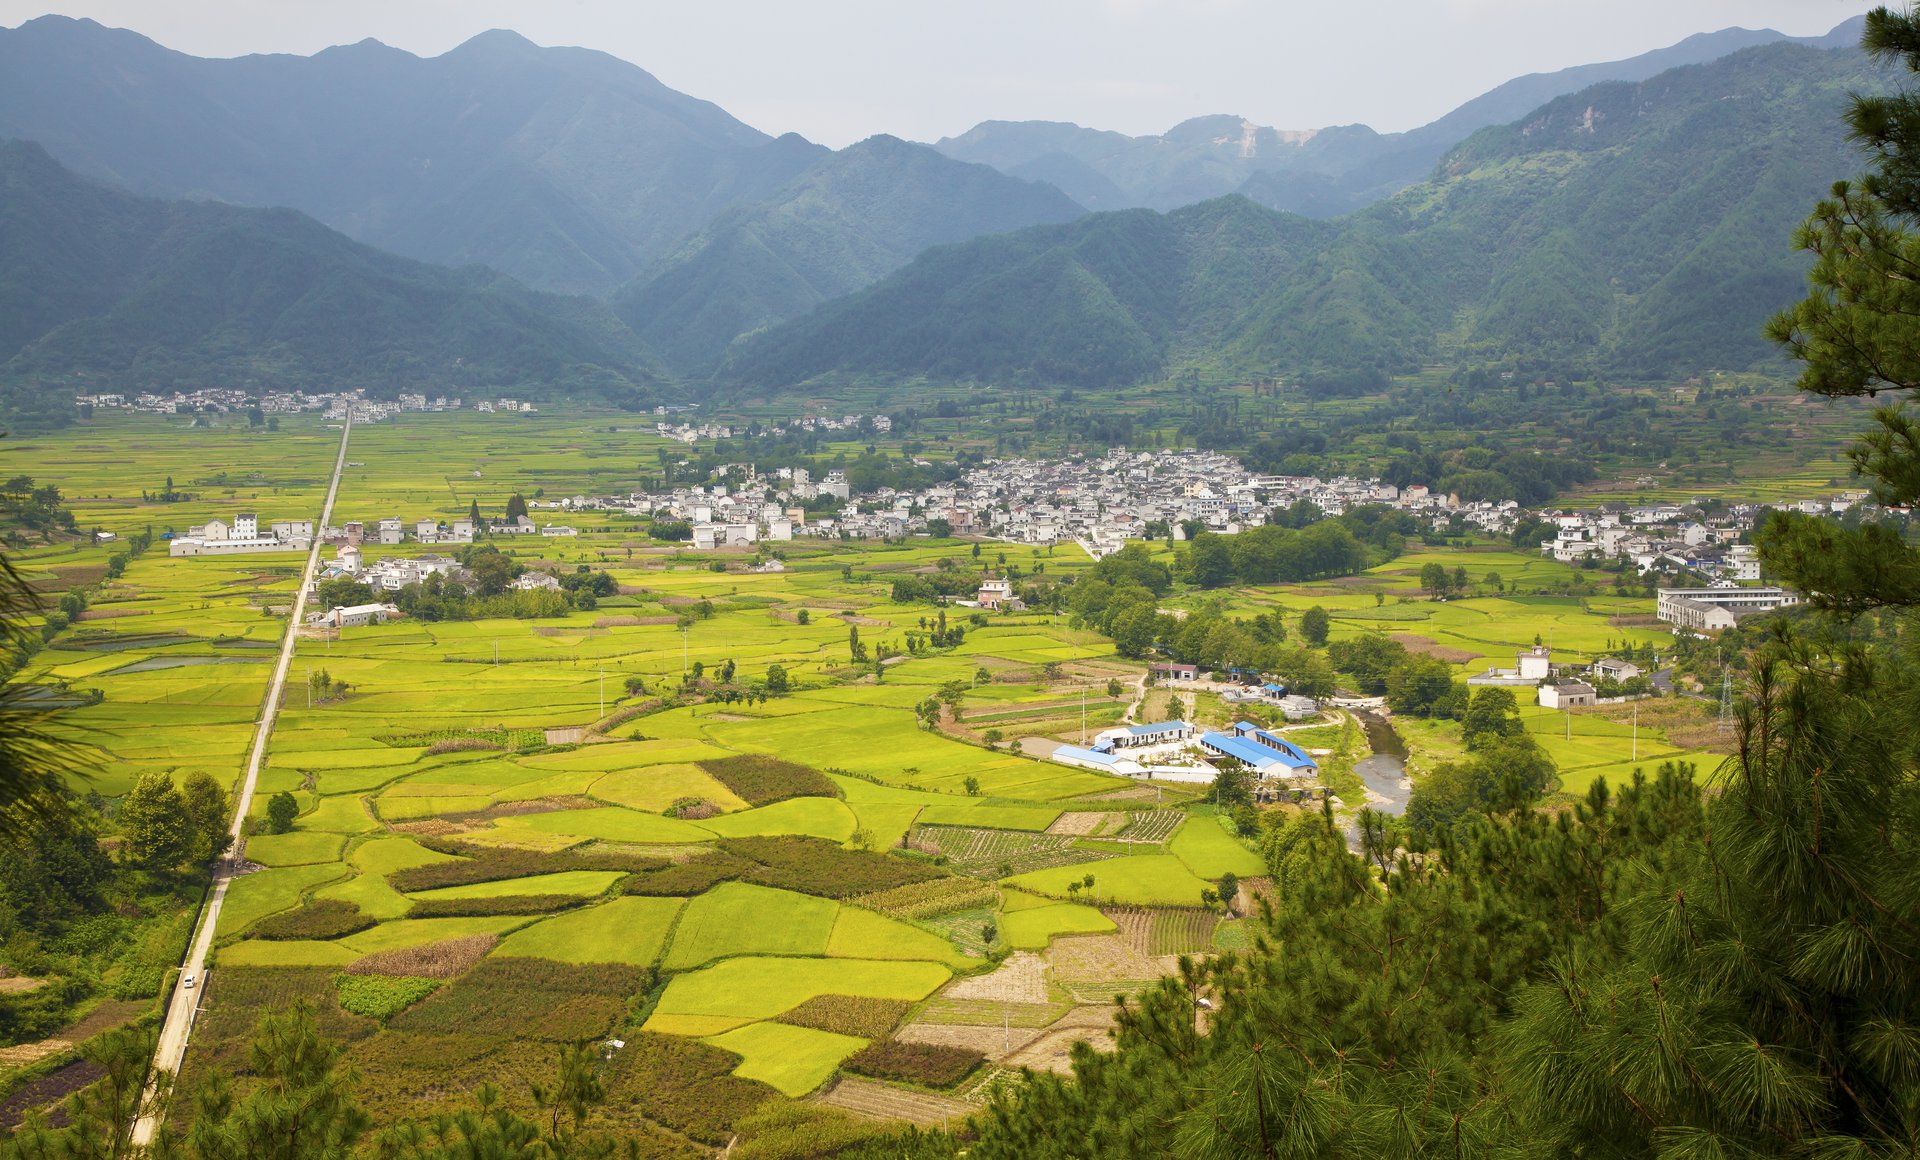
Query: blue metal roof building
point(1262, 751)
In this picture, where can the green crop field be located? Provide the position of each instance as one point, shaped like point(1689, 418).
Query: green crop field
point(760, 988)
point(791, 1060)
point(625, 930)
point(565, 751)
point(1034, 928)
point(1135, 879)
point(736, 918)
point(1209, 851)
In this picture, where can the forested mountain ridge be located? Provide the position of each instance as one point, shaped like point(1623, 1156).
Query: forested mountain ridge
point(1630, 229)
point(104, 291)
point(1321, 173)
point(1101, 301)
point(567, 168)
point(858, 215)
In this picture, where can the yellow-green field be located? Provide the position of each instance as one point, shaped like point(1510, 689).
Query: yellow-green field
point(520, 737)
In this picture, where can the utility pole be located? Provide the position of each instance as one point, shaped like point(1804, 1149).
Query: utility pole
point(1083, 714)
point(1636, 733)
point(683, 650)
point(496, 652)
point(603, 691)
point(309, 686)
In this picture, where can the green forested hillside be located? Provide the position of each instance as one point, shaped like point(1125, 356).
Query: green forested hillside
point(1108, 299)
point(103, 291)
point(860, 214)
point(1627, 229)
point(566, 168)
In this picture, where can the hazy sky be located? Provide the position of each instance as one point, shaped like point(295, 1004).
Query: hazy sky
point(839, 70)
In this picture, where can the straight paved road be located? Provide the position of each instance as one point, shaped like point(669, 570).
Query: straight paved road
point(185, 1003)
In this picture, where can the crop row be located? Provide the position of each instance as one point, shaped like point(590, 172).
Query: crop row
point(931, 898)
point(929, 1064)
point(849, 1015)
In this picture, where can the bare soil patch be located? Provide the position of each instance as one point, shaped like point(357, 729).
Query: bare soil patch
point(1427, 646)
point(1079, 824)
point(1021, 979)
point(1103, 958)
point(113, 613)
point(1052, 1050)
point(19, 985)
point(1130, 794)
point(995, 1041)
point(48, 1089)
point(880, 1101)
point(571, 735)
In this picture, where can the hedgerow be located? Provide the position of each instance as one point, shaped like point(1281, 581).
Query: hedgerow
point(928, 1064)
point(495, 863)
point(685, 879)
point(319, 919)
point(505, 904)
point(818, 866)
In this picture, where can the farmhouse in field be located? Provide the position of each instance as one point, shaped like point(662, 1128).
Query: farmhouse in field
point(353, 616)
point(1267, 754)
point(1136, 736)
point(1566, 695)
point(219, 538)
point(1529, 668)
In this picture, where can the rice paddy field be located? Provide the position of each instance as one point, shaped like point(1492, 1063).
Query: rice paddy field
point(490, 792)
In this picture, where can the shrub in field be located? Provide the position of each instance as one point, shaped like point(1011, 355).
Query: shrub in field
point(932, 898)
point(682, 1083)
point(382, 996)
point(818, 866)
point(761, 780)
point(692, 809)
point(462, 745)
point(321, 918)
point(495, 863)
point(505, 904)
point(535, 998)
point(686, 879)
point(928, 1064)
point(849, 1015)
point(438, 960)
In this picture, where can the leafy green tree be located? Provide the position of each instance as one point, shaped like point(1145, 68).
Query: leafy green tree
point(1421, 686)
point(154, 823)
point(1434, 580)
point(972, 786)
point(1314, 623)
point(207, 811)
point(1492, 714)
point(516, 506)
point(343, 592)
point(1209, 562)
point(777, 680)
point(282, 809)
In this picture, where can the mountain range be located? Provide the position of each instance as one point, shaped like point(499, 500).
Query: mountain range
point(1634, 229)
point(622, 238)
point(1320, 173)
point(104, 291)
